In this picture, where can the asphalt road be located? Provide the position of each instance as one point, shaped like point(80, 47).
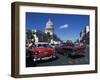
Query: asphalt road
point(62, 60)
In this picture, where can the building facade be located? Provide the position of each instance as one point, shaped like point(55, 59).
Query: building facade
point(85, 35)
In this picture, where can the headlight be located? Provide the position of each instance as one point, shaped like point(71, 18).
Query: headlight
point(39, 51)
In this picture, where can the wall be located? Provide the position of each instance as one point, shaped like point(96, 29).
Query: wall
point(5, 40)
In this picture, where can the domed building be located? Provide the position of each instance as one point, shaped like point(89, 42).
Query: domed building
point(49, 27)
point(45, 36)
point(49, 30)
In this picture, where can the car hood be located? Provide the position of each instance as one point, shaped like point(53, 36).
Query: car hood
point(43, 49)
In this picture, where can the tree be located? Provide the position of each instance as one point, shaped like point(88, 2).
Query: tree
point(49, 36)
point(29, 35)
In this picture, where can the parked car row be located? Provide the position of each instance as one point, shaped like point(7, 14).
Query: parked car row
point(45, 51)
point(71, 49)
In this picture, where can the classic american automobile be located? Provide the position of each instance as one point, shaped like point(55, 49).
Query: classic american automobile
point(64, 49)
point(43, 52)
point(60, 49)
point(79, 48)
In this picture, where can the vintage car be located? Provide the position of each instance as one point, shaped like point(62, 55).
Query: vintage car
point(60, 49)
point(64, 49)
point(43, 52)
point(79, 48)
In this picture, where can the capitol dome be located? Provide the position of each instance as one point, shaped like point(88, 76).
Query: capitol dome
point(49, 27)
point(49, 24)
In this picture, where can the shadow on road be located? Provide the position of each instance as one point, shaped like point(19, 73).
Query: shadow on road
point(75, 56)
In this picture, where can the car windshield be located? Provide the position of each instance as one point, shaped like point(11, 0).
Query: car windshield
point(44, 46)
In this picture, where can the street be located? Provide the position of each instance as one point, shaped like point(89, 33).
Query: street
point(62, 60)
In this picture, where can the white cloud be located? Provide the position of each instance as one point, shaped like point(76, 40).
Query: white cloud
point(64, 26)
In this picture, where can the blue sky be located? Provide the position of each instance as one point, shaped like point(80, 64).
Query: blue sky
point(66, 26)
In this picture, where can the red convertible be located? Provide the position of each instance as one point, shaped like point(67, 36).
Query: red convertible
point(43, 52)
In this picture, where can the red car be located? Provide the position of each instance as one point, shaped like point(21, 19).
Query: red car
point(60, 49)
point(64, 48)
point(79, 49)
point(43, 52)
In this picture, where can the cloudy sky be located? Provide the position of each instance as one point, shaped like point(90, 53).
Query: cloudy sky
point(66, 26)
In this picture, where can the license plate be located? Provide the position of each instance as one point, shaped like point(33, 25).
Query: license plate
point(45, 58)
